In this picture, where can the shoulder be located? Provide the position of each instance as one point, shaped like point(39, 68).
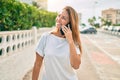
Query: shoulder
point(45, 34)
point(43, 37)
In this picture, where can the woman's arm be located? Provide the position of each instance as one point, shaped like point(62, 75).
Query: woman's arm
point(75, 59)
point(37, 66)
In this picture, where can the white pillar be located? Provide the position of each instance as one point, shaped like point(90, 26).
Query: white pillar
point(34, 29)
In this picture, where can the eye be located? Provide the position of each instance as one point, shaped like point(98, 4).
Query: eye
point(64, 18)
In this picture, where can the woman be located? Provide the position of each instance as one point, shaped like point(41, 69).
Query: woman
point(61, 52)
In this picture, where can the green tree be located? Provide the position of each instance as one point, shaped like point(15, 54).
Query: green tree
point(105, 22)
point(15, 15)
point(92, 22)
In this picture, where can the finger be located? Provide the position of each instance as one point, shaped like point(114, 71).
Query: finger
point(64, 30)
point(67, 28)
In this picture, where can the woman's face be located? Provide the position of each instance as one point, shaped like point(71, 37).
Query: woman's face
point(62, 18)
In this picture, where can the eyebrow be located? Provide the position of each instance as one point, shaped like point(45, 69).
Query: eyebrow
point(63, 15)
point(66, 16)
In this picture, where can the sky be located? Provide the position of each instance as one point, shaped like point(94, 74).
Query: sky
point(88, 8)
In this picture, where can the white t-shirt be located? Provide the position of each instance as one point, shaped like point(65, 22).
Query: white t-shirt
point(56, 53)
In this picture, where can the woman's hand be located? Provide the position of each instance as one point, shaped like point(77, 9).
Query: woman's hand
point(75, 59)
point(68, 33)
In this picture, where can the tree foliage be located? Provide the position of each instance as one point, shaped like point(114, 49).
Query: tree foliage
point(15, 15)
point(105, 22)
point(92, 22)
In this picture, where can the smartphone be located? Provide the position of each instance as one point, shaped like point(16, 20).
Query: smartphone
point(68, 25)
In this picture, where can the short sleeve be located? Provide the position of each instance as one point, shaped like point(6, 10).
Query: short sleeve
point(41, 45)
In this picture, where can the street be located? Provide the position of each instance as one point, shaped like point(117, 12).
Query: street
point(109, 44)
point(104, 53)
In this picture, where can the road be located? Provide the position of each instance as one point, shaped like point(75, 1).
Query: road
point(110, 45)
point(104, 53)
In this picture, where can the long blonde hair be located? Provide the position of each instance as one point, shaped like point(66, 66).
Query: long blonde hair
point(74, 22)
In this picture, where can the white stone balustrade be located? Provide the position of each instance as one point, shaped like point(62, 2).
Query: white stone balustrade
point(12, 41)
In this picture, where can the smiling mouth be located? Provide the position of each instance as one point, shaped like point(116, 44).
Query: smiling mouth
point(59, 24)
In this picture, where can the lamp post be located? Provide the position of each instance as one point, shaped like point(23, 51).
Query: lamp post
point(94, 7)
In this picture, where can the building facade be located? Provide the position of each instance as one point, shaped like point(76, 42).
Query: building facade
point(26, 1)
point(42, 4)
point(112, 15)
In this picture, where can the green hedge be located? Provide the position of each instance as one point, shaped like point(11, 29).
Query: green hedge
point(116, 24)
point(15, 15)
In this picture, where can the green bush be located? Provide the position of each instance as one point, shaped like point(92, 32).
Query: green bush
point(15, 15)
point(116, 24)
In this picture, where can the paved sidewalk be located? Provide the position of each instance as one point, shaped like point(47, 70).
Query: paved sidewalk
point(106, 68)
point(87, 70)
point(114, 33)
point(15, 65)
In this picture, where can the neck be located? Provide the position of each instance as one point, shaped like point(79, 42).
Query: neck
point(56, 32)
